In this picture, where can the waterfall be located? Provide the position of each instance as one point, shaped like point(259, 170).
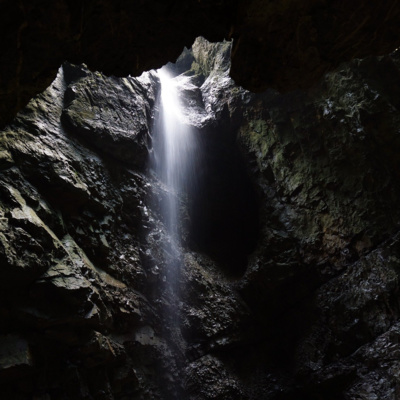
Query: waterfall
point(174, 150)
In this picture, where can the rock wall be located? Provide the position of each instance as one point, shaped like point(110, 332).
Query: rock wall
point(290, 272)
point(324, 278)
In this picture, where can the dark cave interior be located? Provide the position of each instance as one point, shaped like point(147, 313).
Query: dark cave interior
point(291, 273)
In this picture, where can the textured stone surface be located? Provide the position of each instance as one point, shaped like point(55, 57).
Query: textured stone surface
point(324, 278)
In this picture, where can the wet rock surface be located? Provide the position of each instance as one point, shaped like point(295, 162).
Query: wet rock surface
point(290, 243)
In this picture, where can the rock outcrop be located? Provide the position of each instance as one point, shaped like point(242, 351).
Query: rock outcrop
point(290, 242)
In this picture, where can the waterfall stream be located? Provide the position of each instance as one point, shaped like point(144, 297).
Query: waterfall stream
point(173, 162)
point(174, 150)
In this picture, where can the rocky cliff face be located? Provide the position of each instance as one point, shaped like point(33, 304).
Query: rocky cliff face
point(289, 244)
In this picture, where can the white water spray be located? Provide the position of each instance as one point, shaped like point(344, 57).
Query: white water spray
point(174, 156)
point(174, 151)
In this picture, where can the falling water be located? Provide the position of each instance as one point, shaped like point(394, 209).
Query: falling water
point(174, 150)
point(174, 153)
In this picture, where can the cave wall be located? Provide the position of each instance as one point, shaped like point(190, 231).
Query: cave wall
point(325, 277)
point(313, 313)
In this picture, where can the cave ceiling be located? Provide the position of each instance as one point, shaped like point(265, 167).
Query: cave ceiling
point(285, 44)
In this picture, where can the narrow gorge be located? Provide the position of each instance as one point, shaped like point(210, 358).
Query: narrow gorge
point(175, 236)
